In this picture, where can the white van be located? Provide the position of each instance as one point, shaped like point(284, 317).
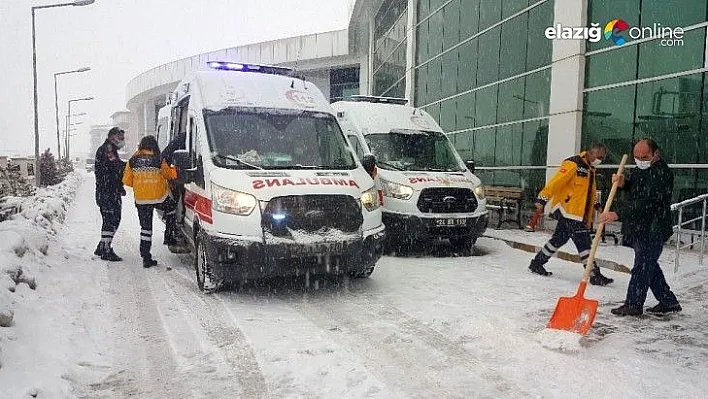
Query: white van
point(271, 185)
point(427, 191)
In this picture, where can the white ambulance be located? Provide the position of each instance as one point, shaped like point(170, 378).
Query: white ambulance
point(427, 191)
point(271, 185)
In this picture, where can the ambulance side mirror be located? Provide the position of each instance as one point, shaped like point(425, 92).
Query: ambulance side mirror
point(368, 161)
point(470, 165)
point(183, 163)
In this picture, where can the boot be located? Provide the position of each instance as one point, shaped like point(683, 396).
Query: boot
point(100, 249)
point(539, 269)
point(149, 262)
point(111, 256)
point(663, 309)
point(598, 279)
point(626, 310)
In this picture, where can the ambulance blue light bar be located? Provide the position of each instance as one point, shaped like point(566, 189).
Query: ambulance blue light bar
point(242, 67)
point(377, 99)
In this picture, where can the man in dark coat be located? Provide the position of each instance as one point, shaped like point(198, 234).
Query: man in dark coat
point(109, 190)
point(646, 225)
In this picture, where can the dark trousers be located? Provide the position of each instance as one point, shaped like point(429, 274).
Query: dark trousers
point(145, 212)
point(566, 229)
point(646, 274)
point(111, 214)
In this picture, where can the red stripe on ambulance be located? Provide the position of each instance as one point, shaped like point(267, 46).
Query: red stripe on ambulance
point(199, 204)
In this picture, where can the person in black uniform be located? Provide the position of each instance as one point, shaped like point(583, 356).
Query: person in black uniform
point(109, 190)
point(176, 191)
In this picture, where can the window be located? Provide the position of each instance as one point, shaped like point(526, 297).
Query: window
point(608, 117)
point(512, 58)
point(277, 139)
point(511, 101)
point(356, 145)
point(611, 67)
point(669, 111)
point(488, 59)
point(656, 59)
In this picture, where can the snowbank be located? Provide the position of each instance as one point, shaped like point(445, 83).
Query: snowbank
point(24, 238)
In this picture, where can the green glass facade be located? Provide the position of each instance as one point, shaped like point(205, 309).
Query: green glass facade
point(389, 56)
point(651, 89)
point(482, 68)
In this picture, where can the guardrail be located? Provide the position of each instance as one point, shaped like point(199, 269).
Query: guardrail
point(678, 228)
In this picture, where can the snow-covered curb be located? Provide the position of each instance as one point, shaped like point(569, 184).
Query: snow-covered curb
point(24, 237)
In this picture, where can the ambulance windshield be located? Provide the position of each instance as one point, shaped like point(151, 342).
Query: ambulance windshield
point(414, 150)
point(276, 139)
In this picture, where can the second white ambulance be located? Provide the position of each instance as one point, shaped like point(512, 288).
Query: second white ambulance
point(427, 190)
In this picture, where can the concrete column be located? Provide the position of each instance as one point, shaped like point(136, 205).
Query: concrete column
point(410, 50)
point(567, 84)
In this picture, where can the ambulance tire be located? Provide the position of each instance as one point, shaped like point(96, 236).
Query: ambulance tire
point(207, 282)
point(465, 245)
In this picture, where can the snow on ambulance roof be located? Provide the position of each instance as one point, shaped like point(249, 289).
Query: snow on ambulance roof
point(382, 117)
point(222, 89)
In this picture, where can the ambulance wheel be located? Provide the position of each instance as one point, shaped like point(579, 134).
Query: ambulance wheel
point(207, 282)
point(464, 245)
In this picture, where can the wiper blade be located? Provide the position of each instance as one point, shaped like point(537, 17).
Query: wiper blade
point(390, 165)
point(238, 160)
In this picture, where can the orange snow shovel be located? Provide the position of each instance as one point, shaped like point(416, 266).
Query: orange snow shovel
point(577, 313)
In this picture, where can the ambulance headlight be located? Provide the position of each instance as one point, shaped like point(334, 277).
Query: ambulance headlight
point(479, 190)
point(230, 201)
point(370, 199)
point(395, 190)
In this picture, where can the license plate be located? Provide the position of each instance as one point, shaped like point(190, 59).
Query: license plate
point(330, 248)
point(450, 222)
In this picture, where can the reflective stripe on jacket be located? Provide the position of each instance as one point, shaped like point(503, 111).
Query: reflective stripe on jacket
point(148, 176)
point(572, 190)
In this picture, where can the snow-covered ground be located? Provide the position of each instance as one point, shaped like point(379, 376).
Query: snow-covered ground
point(426, 325)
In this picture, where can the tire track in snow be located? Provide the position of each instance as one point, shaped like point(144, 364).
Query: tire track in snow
point(406, 351)
point(145, 361)
point(213, 318)
point(202, 363)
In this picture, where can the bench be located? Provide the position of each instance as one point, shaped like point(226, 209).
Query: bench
point(506, 202)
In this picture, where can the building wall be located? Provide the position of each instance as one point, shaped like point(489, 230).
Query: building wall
point(483, 69)
point(518, 103)
point(651, 88)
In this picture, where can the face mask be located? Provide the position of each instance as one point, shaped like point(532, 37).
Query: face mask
point(120, 144)
point(596, 162)
point(642, 164)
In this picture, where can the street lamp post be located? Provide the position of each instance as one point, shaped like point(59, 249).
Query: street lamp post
point(56, 101)
point(37, 172)
point(68, 120)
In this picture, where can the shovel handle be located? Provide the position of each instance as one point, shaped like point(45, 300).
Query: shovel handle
point(601, 226)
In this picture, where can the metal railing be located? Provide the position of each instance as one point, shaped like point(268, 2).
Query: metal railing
point(678, 228)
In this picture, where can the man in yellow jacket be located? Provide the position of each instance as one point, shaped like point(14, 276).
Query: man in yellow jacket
point(571, 194)
point(148, 173)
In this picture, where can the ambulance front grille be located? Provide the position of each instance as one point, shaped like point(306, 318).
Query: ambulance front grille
point(312, 213)
point(447, 200)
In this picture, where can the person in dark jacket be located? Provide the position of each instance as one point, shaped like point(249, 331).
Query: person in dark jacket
point(179, 142)
point(148, 174)
point(646, 225)
point(108, 168)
